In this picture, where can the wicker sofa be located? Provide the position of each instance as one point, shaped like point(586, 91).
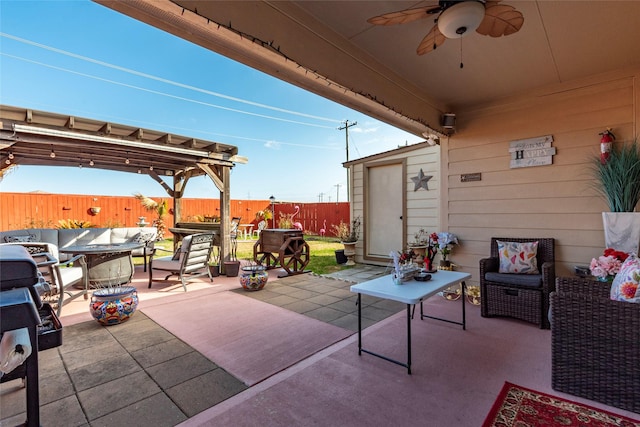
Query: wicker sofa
point(61, 238)
point(595, 343)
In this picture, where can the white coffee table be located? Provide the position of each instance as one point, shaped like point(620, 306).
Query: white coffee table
point(411, 292)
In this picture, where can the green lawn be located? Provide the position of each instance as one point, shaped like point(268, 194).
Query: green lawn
point(322, 259)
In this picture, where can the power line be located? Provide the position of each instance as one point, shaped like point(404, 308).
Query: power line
point(163, 80)
point(181, 98)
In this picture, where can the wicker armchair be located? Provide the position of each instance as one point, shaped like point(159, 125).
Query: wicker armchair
point(595, 344)
point(521, 296)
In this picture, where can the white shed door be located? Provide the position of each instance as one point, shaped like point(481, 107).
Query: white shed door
point(385, 207)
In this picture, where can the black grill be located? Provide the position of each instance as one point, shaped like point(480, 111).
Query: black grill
point(20, 307)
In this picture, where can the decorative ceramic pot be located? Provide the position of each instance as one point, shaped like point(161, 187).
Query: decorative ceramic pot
point(254, 277)
point(111, 306)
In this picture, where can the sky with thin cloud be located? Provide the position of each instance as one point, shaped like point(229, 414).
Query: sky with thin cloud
point(81, 59)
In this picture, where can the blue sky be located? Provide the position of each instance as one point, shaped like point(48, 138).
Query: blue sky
point(82, 59)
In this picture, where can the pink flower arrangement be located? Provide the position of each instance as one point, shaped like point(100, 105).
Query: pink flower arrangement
point(608, 264)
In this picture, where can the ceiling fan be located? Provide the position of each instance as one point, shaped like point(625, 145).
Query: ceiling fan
point(456, 19)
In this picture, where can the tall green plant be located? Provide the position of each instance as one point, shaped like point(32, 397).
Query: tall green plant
point(619, 177)
point(160, 208)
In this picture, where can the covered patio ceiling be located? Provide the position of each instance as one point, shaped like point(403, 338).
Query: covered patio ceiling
point(329, 48)
point(30, 137)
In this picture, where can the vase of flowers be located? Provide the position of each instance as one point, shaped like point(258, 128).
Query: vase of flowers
point(430, 253)
point(606, 266)
point(445, 241)
point(403, 267)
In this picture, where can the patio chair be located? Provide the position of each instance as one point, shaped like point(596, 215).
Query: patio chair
point(68, 279)
point(190, 261)
point(595, 350)
point(521, 296)
point(261, 226)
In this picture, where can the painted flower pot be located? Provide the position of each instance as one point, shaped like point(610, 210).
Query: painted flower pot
point(111, 306)
point(254, 277)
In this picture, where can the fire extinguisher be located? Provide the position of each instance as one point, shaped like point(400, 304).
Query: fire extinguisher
point(607, 137)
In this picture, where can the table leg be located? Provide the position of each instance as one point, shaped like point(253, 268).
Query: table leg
point(463, 286)
point(409, 339)
point(359, 324)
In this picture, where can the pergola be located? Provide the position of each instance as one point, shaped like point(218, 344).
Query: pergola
point(30, 137)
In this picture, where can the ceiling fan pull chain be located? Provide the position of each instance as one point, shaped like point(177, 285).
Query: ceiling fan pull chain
point(461, 64)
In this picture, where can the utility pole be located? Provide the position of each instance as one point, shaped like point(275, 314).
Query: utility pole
point(346, 127)
point(320, 196)
point(337, 192)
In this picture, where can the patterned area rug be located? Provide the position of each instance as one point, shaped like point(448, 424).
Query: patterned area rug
point(521, 407)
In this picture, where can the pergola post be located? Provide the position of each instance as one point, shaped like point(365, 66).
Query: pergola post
point(225, 210)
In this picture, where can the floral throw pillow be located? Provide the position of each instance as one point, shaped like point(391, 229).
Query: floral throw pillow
point(519, 258)
point(625, 284)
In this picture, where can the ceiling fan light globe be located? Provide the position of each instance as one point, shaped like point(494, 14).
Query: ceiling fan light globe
point(461, 19)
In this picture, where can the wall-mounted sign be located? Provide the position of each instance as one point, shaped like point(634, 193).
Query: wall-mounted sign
point(532, 152)
point(468, 177)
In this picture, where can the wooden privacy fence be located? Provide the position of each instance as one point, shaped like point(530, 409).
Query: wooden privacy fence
point(40, 210)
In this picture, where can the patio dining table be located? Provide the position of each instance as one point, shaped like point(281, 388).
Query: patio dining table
point(107, 264)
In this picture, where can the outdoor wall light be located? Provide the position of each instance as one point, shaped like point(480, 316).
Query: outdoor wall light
point(10, 155)
point(8, 161)
point(53, 153)
point(151, 167)
point(91, 162)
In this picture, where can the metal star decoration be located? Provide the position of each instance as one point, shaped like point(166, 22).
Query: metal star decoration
point(421, 181)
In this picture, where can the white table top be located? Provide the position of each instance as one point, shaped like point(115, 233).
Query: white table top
point(412, 291)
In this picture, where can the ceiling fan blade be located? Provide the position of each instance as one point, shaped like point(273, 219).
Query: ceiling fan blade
point(402, 16)
point(433, 39)
point(500, 20)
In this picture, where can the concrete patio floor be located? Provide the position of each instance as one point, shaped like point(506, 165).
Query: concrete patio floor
point(138, 371)
point(159, 369)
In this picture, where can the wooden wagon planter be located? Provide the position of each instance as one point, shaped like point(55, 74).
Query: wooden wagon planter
point(282, 247)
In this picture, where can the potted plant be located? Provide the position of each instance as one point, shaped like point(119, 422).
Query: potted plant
point(445, 241)
point(214, 264)
point(419, 245)
point(348, 235)
point(618, 180)
point(160, 208)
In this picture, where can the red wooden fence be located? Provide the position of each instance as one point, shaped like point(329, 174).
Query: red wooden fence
point(38, 210)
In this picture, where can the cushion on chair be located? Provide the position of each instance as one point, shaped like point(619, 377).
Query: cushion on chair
point(166, 263)
point(625, 284)
point(70, 275)
point(525, 280)
point(519, 258)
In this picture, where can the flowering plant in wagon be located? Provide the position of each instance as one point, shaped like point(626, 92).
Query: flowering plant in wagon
point(607, 265)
